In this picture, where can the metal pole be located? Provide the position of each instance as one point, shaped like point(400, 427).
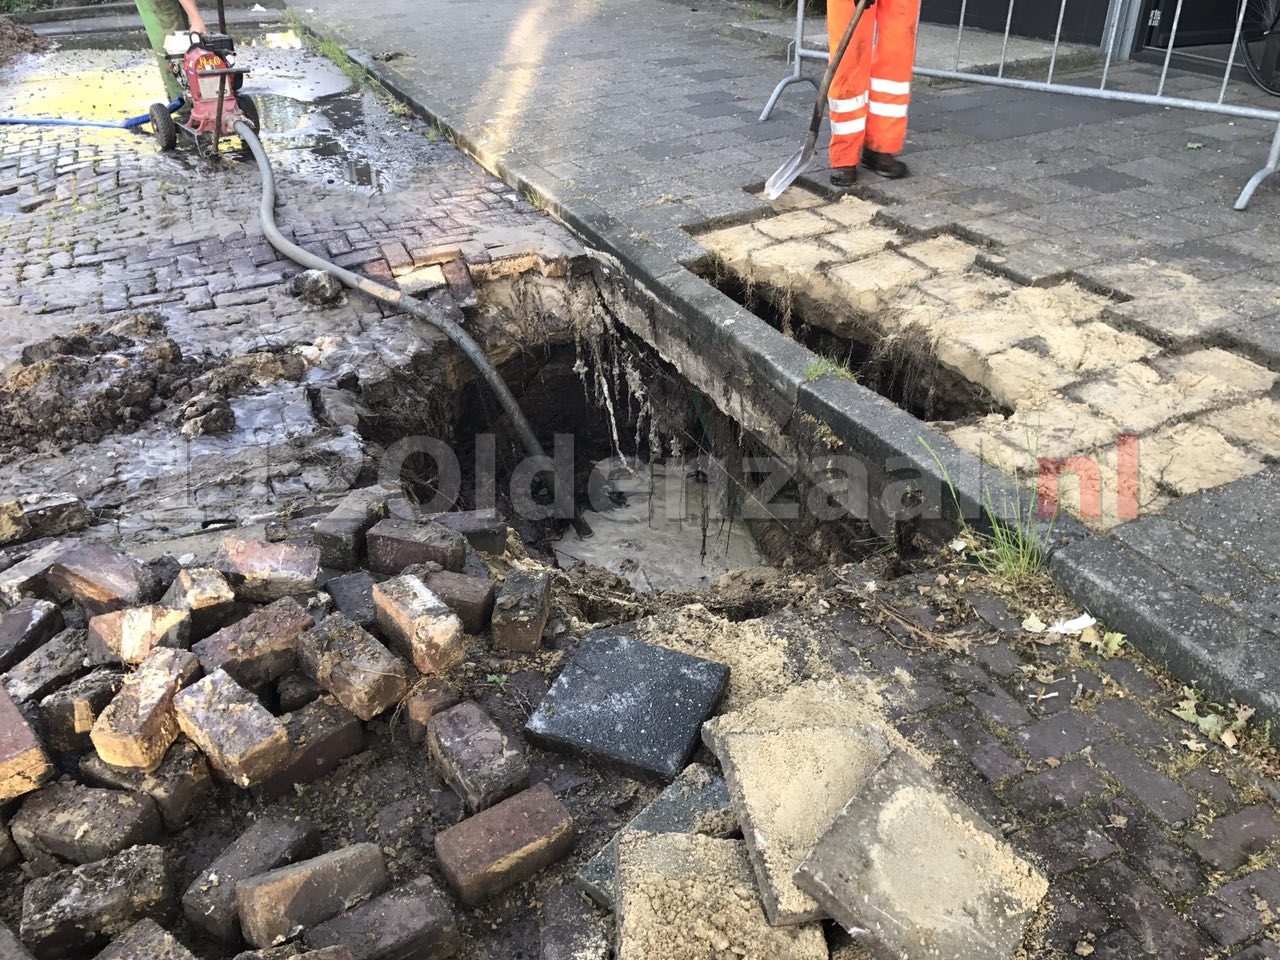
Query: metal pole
point(797, 74)
point(1273, 164)
point(964, 6)
point(1235, 46)
point(1057, 41)
point(1004, 50)
point(1168, 54)
point(1111, 47)
point(222, 17)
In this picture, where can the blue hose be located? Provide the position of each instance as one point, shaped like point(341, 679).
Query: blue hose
point(48, 122)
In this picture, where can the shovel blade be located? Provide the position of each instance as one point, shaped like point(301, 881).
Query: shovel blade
point(786, 174)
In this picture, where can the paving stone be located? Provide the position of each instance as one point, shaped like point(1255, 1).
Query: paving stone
point(1057, 790)
point(30, 576)
point(180, 786)
point(276, 905)
point(146, 940)
point(471, 598)
point(353, 596)
point(266, 572)
point(411, 922)
point(321, 735)
point(340, 536)
point(1136, 725)
point(1239, 910)
point(1266, 950)
point(505, 845)
point(52, 666)
point(79, 908)
point(129, 635)
point(1230, 841)
point(1073, 916)
point(11, 947)
point(242, 740)
point(697, 801)
point(24, 765)
point(1175, 870)
point(478, 760)
point(787, 787)
point(418, 626)
point(295, 690)
point(988, 755)
point(140, 724)
point(426, 699)
point(394, 545)
point(484, 529)
point(1067, 845)
point(521, 611)
point(24, 628)
point(1210, 785)
point(683, 897)
point(68, 714)
point(1144, 913)
point(260, 648)
point(910, 864)
point(210, 902)
point(100, 578)
point(1060, 735)
point(361, 673)
point(1158, 793)
point(205, 594)
point(78, 824)
point(572, 929)
point(290, 953)
point(657, 699)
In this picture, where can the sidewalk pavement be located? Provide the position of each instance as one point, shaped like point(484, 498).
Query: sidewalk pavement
point(646, 112)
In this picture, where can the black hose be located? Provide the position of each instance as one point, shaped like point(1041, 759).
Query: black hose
point(463, 340)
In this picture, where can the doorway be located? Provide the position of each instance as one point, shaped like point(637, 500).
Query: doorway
point(1205, 31)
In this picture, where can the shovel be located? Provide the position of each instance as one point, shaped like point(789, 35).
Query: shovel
point(786, 174)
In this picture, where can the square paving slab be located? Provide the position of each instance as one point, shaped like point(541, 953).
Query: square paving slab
point(921, 873)
point(630, 703)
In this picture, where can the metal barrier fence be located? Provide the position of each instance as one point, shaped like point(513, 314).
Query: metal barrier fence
point(1245, 32)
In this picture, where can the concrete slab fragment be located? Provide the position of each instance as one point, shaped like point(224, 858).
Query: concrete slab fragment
point(921, 872)
point(687, 897)
point(631, 703)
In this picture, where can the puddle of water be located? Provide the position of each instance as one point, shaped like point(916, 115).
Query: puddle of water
point(654, 536)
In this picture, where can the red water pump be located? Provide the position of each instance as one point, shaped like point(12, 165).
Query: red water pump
point(204, 65)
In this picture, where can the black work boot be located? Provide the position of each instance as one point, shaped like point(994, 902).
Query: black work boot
point(842, 177)
point(885, 164)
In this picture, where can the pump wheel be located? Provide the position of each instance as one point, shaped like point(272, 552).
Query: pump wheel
point(162, 127)
point(250, 110)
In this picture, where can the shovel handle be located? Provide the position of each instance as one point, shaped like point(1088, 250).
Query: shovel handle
point(820, 107)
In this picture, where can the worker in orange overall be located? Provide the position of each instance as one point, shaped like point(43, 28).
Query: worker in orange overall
point(872, 88)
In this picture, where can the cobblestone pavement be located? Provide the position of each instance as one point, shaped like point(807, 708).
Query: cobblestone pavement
point(98, 226)
point(648, 110)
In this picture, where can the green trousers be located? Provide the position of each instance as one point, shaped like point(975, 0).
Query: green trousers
point(161, 18)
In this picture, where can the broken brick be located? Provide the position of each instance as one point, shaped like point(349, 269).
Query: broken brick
point(242, 740)
point(145, 940)
point(52, 666)
point(100, 579)
point(210, 902)
point(505, 845)
point(521, 612)
point(265, 572)
point(361, 673)
point(30, 576)
point(68, 714)
point(140, 724)
point(353, 596)
point(394, 545)
point(23, 763)
point(54, 515)
point(205, 594)
point(483, 529)
point(321, 735)
point(289, 952)
point(340, 536)
point(425, 700)
point(260, 648)
point(471, 598)
point(295, 690)
point(412, 921)
point(274, 906)
point(417, 625)
point(475, 757)
point(78, 908)
point(129, 635)
point(24, 628)
point(70, 822)
point(179, 786)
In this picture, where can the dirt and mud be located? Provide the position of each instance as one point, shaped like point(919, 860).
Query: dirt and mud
point(18, 40)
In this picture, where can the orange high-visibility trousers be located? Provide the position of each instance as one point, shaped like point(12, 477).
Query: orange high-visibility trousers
point(872, 89)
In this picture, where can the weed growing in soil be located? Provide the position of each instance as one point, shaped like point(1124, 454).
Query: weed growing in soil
point(826, 367)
